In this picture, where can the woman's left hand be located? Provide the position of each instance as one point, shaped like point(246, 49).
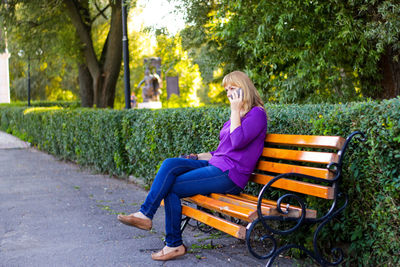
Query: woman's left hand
point(236, 99)
point(235, 96)
point(189, 156)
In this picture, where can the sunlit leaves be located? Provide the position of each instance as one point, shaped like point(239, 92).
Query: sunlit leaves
point(327, 49)
point(38, 34)
point(177, 63)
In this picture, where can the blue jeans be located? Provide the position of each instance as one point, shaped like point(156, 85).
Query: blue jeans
point(178, 178)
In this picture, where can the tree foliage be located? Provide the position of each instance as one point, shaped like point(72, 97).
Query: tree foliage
point(63, 58)
point(37, 39)
point(70, 29)
point(300, 51)
point(175, 62)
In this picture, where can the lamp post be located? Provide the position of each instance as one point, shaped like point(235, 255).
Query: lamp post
point(38, 53)
point(125, 50)
point(21, 53)
point(29, 81)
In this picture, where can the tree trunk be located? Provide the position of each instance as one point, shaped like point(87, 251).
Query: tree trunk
point(112, 52)
point(390, 75)
point(86, 86)
point(104, 74)
point(387, 84)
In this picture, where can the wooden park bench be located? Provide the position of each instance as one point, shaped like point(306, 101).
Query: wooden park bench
point(303, 166)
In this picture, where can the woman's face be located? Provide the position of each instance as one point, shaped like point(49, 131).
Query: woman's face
point(229, 89)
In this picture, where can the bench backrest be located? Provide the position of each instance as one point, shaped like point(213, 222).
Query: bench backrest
point(304, 154)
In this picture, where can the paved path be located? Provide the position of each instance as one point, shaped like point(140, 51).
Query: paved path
point(8, 141)
point(52, 213)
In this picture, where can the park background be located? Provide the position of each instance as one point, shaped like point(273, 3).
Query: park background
point(321, 67)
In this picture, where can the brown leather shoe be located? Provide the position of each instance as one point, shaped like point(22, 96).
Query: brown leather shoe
point(161, 256)
point(132, 220)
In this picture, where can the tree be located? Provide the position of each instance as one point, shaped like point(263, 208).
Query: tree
point(39, 40)
point(98, 70)
point(97, 76)
point(301, 51)
point(2, 41)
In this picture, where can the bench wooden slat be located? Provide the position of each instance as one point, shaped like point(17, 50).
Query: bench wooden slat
point(316, 190)
point(242, 213)
point(285, 168)
point(266, 209)
point(296, 155)
point(310, 213)
point(331, 142)
point(255, 199)
point(294, 211)
point(223, 225)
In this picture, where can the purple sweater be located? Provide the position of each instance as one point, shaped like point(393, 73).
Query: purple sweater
point(239, 151)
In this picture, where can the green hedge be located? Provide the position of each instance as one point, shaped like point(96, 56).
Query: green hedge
point(135, 142)
point(65, 104)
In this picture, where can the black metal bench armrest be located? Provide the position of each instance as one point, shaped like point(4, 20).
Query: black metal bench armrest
point(336, 168)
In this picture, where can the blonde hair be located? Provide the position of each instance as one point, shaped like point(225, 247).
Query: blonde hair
point(251, 97)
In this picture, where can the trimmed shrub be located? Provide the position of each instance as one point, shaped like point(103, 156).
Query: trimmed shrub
point(135, 142)
point(65, 104)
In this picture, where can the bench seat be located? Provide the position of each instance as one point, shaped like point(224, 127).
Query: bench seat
point(244, 207)
point(282, 153)
point(291, 169)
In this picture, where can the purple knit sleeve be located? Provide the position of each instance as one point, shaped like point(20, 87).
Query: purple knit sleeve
point(251, 127)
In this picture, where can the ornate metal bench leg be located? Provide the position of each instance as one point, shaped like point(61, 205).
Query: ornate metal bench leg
point(290, 246)
point(337, 253)
point(184, 223)
point(201, 226)
point(315, 255)
point(265, 242)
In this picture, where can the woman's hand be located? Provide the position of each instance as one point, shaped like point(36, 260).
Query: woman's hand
point(204, 156)
point(235, 96)
point(201, 156)
point(189, 156)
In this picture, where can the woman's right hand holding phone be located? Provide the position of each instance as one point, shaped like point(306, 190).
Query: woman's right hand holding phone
point(235, 96)
point(236, 99)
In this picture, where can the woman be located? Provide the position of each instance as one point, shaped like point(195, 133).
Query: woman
point(225, 170)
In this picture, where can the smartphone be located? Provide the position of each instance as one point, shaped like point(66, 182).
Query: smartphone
point(239, 91)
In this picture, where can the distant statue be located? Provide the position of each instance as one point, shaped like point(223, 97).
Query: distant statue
point(133, 100)
point(151, 90)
